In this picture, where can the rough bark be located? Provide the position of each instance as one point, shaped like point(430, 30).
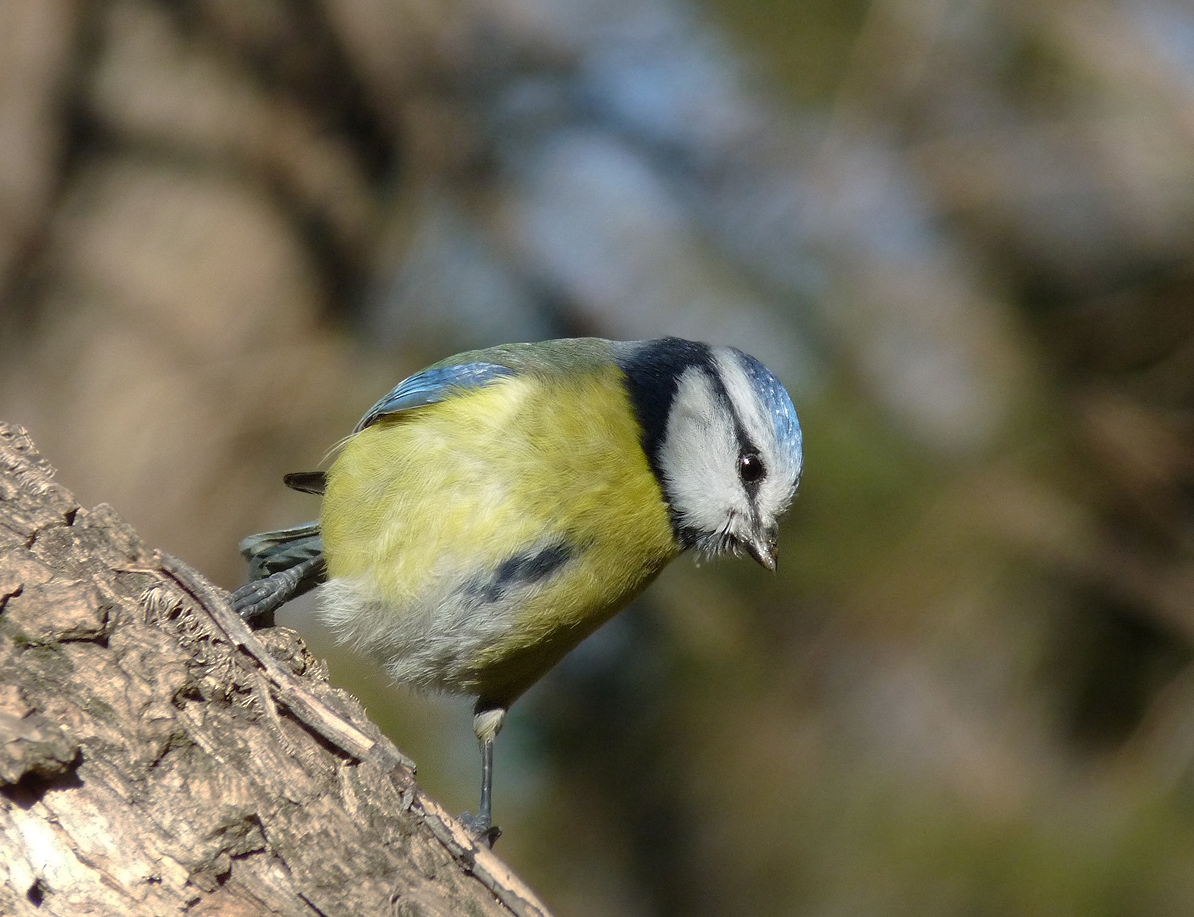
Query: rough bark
point(156, 759)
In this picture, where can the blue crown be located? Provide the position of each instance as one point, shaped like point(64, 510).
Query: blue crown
point(779, 405)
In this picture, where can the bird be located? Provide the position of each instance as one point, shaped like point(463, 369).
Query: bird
point(494, 509)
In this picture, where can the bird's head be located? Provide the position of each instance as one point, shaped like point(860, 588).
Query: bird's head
point(721, 434)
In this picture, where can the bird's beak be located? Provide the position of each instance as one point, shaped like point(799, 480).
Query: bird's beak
point(763, 548)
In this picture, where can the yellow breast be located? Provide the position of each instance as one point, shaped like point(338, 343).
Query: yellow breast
point(429, 507)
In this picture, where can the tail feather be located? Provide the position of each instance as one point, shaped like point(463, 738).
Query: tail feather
point(273, 552)
point(308, 482)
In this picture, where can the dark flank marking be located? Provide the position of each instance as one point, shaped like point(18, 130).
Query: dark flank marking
point(522, 570)
point(308, 482)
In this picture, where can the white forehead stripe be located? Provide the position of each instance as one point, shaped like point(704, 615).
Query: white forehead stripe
point(750, 388)
point(763, 409)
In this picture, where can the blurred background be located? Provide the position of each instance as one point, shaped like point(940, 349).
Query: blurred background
point(961, 232)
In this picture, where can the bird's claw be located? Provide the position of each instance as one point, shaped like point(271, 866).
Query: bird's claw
point(482, 831)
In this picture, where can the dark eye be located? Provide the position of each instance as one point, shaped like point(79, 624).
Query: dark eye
point(750, 467)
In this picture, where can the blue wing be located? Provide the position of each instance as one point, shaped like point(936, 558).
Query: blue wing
point(431, 386)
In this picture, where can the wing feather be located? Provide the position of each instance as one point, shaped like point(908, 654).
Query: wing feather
point(431, 386)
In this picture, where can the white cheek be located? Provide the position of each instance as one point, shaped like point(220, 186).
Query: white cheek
point(699, 457)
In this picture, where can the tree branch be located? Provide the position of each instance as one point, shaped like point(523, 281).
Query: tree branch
point(157, 757)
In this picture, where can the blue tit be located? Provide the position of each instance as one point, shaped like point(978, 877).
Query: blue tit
point(494, 509)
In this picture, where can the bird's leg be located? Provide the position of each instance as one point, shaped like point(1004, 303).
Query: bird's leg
point(485, 806)
point(487, 723)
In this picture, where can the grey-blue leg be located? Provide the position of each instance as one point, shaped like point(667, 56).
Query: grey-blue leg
point(257, 601)
point(487, 723)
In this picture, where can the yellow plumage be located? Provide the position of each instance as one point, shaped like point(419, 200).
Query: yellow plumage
point(445, 494)
point(496, 508)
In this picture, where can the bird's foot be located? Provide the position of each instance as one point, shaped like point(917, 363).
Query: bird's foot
point(482, 831)
point(256, 602)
